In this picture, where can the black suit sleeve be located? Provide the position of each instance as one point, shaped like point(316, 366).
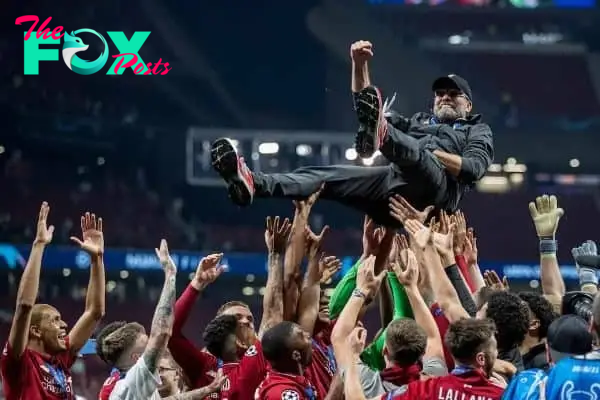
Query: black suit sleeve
point(477, 155)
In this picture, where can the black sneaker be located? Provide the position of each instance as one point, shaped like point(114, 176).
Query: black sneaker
point(232, 168)
point(372, 124)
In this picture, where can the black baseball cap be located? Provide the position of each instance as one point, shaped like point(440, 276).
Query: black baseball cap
point(453, 81)
point(569, 335)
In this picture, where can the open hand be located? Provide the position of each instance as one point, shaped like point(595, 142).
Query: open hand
point(492, 280)
point(313, 241)
point(545, 214)
point(587, 248)
point(166, 262)
point(407, 270)
point(460, 233)
point(92, 235)
point(420, 235)
point(470, 251)
point(43, 234)
point(372, 237)
point(304, 207)
point(277, 234)
point(208, 270)
point(328, 267)
point(366, 280)
point(443, 239)
point(402, 210)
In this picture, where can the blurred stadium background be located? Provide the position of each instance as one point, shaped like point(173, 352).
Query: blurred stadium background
point(275, 77)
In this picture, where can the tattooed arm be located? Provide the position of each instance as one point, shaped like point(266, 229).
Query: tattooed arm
point(162, 323)
point(203, 392)
point(276, 237)
point(196, 394)
point(273, 299)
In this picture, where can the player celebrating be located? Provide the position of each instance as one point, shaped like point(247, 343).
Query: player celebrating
point(288, 349)
point(135, 356)
point(37, 359)
point(232, 331)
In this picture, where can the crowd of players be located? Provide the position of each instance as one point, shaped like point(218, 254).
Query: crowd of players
point(449, 330)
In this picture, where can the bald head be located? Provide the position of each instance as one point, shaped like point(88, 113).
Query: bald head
point(41, 311)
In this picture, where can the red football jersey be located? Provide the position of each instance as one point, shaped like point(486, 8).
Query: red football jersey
point(244, 377)
point(279, 386)
point(109, 385)
point(322, 368)
point(37, 377)
point(468, 385)
point(199, 367)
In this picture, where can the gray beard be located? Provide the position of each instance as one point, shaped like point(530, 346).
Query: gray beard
point(446, 115)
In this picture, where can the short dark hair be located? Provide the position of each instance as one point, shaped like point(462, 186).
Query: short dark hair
point(405, 341)
point(511, 317)
point(216, 333)
point(541, 308)
point(230, 304)
point(468, 336)
point(115, 338)
point(275, 341)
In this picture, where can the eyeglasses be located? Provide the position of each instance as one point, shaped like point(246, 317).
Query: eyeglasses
point(453, 93)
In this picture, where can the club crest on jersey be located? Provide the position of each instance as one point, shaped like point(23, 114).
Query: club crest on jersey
point(290, 395)
point(226, 385)
point(251, 352)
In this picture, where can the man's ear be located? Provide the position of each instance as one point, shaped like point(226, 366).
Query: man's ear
point(35, 331)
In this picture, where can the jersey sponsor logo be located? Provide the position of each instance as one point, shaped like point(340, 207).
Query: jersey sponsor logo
point(50, 385)
point(290, 395)
point(251, 352)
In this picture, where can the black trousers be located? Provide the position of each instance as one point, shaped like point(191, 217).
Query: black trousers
point(414, 173)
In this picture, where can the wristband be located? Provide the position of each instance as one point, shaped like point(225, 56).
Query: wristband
point(587, 276)
point(548, 246)
point(358, 293)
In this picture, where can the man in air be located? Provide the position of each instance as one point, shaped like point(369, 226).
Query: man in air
point(433, 157)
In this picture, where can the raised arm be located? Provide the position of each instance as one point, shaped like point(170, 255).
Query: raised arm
point(545, 214)
point(191, 359)
point(294, 255)
point(588, 280)
point(92, 244)
point(470, 254)
point(444, 292)
point(28, 286)
point(360, 52)
point(308, 306)
point(276, 238)
point(367, 285)
point(162, 322)
point(203, 392)
point(407, 270)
